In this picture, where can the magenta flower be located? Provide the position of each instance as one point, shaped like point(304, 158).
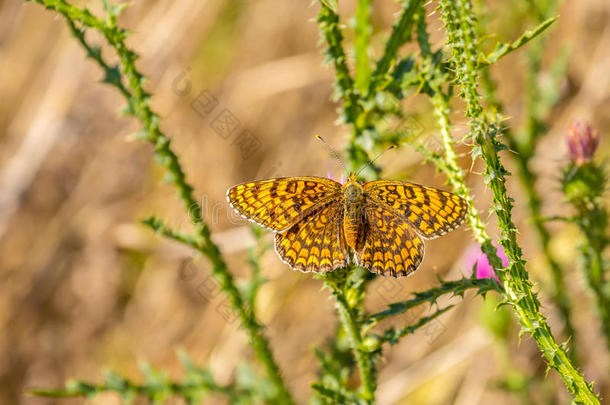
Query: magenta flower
point(475, 257)
point(330, 176)
point(582, 140)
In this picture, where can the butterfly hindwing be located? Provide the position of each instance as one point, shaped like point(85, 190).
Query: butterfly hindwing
point(280, 203)
point(316, 243)
point(431, 212)
point(391, 246)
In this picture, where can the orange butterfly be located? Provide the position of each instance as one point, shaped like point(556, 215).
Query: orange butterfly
point(316, 219)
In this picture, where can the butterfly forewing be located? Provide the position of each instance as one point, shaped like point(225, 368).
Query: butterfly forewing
point(391, 246)
point(430, 211)
point(280, 203)
point(316, 243)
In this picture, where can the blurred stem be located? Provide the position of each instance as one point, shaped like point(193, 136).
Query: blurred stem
point(328, 23)
point(363, 358)
point(459, 23)
point(401, 30)
point(138, 104)
point(585, 186)
point(157, 388)
point(255, 255)
point(361, 44)
point(594, 265)
point(348, 288)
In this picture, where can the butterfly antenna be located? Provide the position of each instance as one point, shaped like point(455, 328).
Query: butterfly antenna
point(370, 162)
point(332, 151)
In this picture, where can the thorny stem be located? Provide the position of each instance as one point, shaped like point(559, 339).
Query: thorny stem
point(430, 296)
point(328, 22)
point(351, 323)
point(349, 291)
point(401, 30)
point(528, 181)
point(459, 23)
point(138, 104)
point(523, 152)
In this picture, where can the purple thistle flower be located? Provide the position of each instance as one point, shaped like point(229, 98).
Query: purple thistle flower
point(582, 140)
point(475, 257)
point(330, 176)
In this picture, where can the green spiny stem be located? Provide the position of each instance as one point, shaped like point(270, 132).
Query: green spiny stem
point(332, 395)
point(352, 324)
point(456, 288)
point(524, 151)
point(247, 318)
point(528, 181)
point(335, 372)
point(138, 102)
point(392, 335)
point(328, 23)
point(196, 385)
point(186, 391)
point(351, 109)
point(459, 23)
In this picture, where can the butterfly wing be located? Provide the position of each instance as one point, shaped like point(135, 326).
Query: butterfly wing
point(317, 242)
point(391, 246)
point(280, 203)
point(431, 212)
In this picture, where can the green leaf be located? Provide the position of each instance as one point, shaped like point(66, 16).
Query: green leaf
point(332, 4)
point(401, 31)
point(335, 397)
point(504, 49)
point(112, 76)
point(73, 388)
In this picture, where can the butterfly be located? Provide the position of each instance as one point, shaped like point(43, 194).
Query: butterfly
point(317, 220)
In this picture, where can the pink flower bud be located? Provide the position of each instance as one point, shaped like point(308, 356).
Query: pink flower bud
point(582, 140)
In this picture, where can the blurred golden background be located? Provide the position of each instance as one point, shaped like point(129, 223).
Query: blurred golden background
point(86, 287)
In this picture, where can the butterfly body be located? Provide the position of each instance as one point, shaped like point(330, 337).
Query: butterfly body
point(317, 220)
point(353, 213)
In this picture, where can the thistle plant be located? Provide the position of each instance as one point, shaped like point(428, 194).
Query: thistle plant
point(369, 97)
point(522, 141)
point(584, 183)
point(485, 129)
